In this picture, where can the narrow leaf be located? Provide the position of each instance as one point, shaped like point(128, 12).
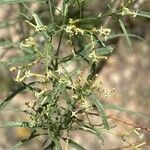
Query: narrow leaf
point(11, 96)
point(104, 51)
point(14, 124)
point(8, 44)
point(16, 1)
point(17, 145)
point(126, 33)
point(75, 145)
point(117, 107)
point(91, 130)
point(79, 5)
point(143, 14)
point(22, 59)
point(58, 145)
point(130, 35)
point(101, 110)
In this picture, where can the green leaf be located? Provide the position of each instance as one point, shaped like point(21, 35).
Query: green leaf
point(11, 96)
point(99, 51)
point(80, 9)
point(58, 145)
point(126, 33)
point(17, 1)
point(75, 145)
point(101, 110)
point(8, 44)
point(130, 35)
point(27, 57)
point(104, 50)
point(91, 130)
point(21, 60)
point(14, 124)
point(16, 146)
point(84, 52)
point(121, 109)
point(143, 14)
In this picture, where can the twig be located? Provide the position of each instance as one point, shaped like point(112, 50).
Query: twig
point(122, 121)
point(128, 123)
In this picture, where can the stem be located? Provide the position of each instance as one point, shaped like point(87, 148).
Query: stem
point(108, 19)
point(96, 18)
point(79, 5)
point(51, 10)
point(59, 44)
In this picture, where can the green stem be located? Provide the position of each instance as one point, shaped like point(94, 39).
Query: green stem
point(51, 10)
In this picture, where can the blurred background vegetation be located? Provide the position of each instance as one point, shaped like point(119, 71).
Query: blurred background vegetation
point(128, 72)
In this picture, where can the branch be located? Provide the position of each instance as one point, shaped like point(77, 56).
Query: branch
point(122, 121)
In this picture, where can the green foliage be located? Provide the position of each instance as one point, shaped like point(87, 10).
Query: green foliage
point(61, 95)
point(17, 1)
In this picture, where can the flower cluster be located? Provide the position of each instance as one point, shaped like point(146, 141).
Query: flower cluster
point(126, 10)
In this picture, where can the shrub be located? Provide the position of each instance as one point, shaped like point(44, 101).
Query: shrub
point(65, 98)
